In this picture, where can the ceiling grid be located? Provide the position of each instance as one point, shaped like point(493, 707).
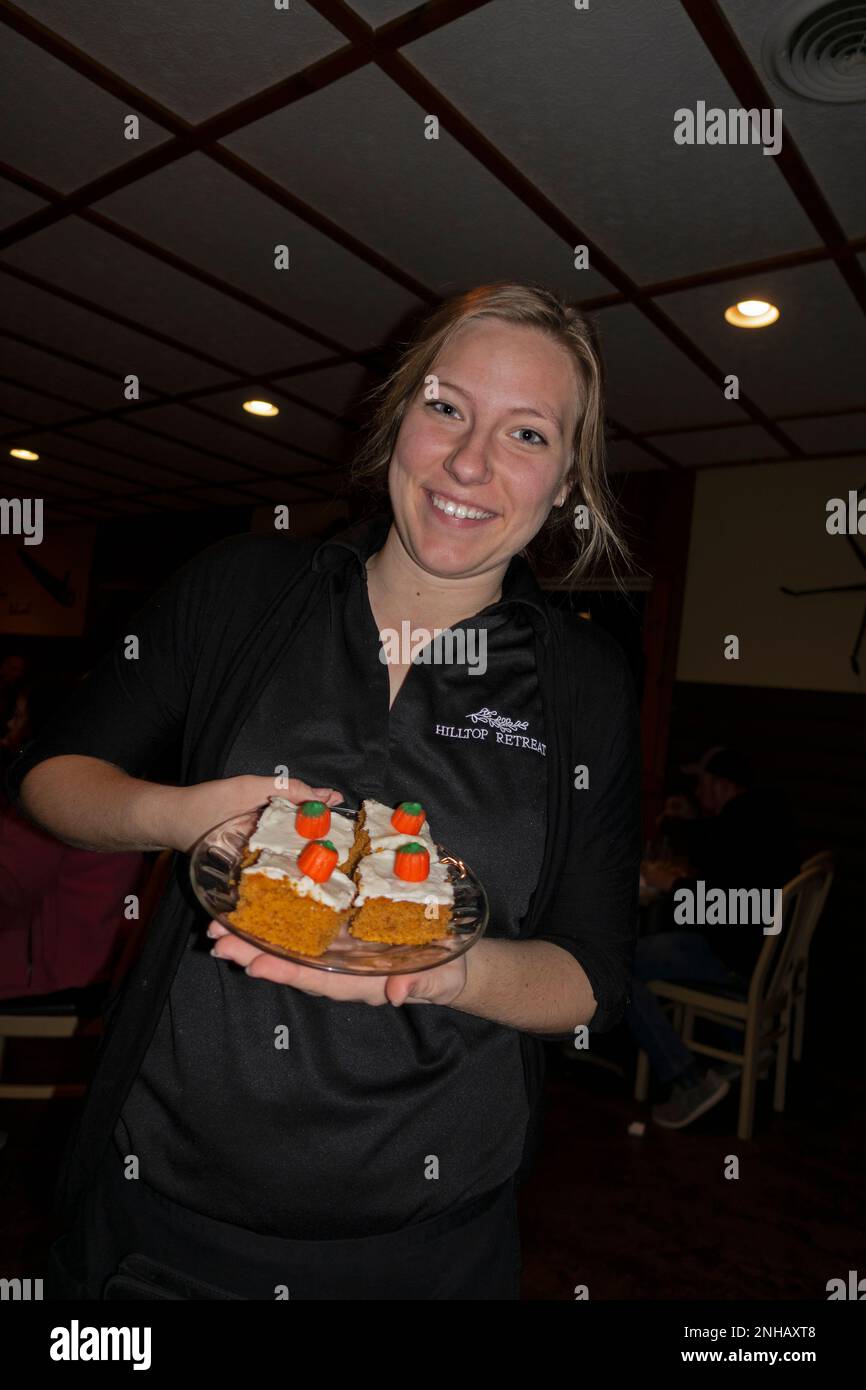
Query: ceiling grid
point(306, 127)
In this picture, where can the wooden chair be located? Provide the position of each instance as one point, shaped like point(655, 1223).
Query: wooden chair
point(74, 1013)
point(825, 859)
point(777, 995)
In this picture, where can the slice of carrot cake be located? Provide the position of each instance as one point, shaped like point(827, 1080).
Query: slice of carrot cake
point(284, 828)
point(297, 901)
point(404, 896)
point(386, 827)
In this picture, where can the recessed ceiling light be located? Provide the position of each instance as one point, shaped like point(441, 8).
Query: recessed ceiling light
point(26, 454)
point(751, 313)
point(260, 408)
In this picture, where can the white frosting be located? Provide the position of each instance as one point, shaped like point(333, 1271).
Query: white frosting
point(276, 831)
point(376, 879)
point(336, 892)
point(377, 823)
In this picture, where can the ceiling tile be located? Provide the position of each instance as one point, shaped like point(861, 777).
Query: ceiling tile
point(832, 434)
point(87, 390)
point(89, 335)
point(426, 205)
point(294, 426)
point(196, 58)
point(625, 457)
point(214, 220)
point(650, 383)
point(248, 443)
point(16, 203)
point(583, 103)
point(76, 458)
point(338, 389)
point(131, 443)
point(58, 127)
point(31, 406)
point(379, 12)
point(42, 479)
point(831, 136)
point(813, 357)
point(714, 445)
point(107, 271)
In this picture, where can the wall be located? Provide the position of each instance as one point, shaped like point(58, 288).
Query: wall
point(753, 530)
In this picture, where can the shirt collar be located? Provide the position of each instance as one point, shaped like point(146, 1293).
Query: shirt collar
point(358, 542)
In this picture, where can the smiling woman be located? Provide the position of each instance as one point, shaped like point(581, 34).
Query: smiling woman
point(512, 379)
point(376, 1156)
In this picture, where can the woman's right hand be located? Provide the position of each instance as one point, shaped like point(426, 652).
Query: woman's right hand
point(187, 812)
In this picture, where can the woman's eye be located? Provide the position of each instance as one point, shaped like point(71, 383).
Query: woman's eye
point(526, 430)
point(447, 405)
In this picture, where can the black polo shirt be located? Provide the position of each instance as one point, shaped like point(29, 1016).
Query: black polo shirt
point(373, 1117)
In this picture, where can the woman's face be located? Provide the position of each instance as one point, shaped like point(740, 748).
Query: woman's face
point(496, 439)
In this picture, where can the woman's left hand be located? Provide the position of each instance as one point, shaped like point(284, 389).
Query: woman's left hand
point(439, 985)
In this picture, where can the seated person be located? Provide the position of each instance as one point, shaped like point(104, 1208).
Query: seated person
point(62, 920)
point(742, 838)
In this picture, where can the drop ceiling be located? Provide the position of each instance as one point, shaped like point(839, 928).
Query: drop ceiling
point(304, 126)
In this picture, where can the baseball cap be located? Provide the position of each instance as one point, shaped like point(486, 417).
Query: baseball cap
point(731, 763)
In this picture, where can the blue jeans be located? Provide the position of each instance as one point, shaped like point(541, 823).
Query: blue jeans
point(673, 955)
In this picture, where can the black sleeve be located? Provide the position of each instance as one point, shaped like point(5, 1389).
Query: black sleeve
point(594, 913)
point(130, 709)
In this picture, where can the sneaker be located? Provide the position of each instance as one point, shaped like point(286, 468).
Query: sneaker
point(688, 1102)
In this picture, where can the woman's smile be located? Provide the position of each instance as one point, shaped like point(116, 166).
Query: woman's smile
point(449, 511)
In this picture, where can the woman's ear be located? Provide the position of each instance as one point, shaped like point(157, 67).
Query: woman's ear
point(564, 488)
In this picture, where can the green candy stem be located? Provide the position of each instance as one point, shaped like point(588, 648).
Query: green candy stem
point(412, 847)
point(412, 808)
point(312, 808)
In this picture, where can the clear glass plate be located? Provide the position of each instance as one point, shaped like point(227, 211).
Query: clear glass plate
point(215, 867)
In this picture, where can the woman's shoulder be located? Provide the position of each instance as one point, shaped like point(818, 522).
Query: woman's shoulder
point(256, 556)
point(264, 548)
point(587, 642)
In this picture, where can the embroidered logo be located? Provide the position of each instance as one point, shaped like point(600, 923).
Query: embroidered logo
point(505, 730)
point(497, 721)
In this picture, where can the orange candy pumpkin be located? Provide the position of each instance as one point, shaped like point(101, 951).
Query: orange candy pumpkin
point(318, 860)
point(312, 820)
point(412, 862)
point(408, 817)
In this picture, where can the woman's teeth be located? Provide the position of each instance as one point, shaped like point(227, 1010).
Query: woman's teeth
point(457, 509)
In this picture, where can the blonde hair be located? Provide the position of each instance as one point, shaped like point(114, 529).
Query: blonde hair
point(530, 305)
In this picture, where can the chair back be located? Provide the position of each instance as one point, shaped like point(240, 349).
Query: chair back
point(803, 899)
